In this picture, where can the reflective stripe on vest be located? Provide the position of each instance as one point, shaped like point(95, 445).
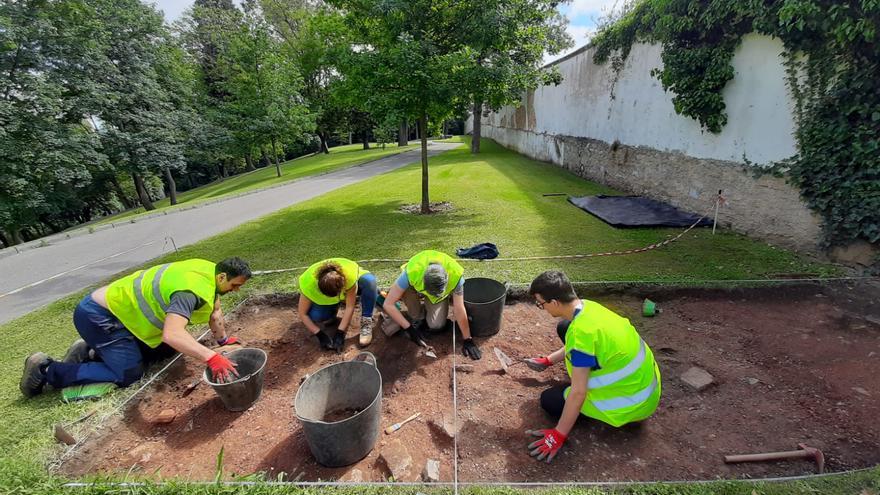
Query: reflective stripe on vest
point(626, 401)
point(615, 376)
point(142, 303)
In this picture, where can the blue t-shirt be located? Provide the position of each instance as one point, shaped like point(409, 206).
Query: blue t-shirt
point(403, 283)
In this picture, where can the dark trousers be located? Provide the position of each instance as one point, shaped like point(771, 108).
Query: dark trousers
point(122, 357)
point(553, 399)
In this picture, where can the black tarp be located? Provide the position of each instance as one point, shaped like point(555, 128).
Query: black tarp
point(636, 211)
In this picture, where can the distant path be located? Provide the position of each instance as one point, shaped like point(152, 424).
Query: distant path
point(36, 277)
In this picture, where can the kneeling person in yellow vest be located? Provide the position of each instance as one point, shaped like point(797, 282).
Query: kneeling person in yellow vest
point(139, 318)
point(327, 283)
point(436, 277)
point(614, 377)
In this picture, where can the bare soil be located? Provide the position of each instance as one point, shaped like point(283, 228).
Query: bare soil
point(790, 365)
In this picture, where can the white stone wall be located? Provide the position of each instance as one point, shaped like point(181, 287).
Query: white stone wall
point(574, 124)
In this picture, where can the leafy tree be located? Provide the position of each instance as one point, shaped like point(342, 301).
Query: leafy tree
point(507, 41)
point(47, 153)
point(263, 86)
point(406, 57)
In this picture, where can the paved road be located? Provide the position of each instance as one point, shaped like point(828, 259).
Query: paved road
point(36, 277)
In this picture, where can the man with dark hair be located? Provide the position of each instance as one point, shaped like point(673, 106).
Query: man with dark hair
point(614, 377)
point(326, 284)
point(436, 277)
point(143, 317)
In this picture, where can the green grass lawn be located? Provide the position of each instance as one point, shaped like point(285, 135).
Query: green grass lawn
point(497, 197)
point(339, 157)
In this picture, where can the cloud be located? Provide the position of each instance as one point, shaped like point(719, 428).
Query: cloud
point(582, 8)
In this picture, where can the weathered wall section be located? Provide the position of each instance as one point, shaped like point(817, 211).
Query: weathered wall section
point(622, 130)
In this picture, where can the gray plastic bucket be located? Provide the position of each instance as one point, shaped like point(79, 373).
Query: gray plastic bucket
point(241, 394)
point(484, 301)
point(346, 386)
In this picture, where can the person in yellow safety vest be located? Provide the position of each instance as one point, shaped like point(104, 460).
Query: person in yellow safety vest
point(141, 318)
point(434, 276)
point(327, 283)
point(614, 377)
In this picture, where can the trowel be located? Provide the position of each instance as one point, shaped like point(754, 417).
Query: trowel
point(507, 362)
point(429, 351)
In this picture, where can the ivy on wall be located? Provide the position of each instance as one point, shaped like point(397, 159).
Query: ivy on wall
point(833, 64)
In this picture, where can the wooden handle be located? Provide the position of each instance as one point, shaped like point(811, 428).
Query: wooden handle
point(407, 420)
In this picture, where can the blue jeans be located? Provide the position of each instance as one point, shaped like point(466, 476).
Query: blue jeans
point(121, 354)
point(366, 288)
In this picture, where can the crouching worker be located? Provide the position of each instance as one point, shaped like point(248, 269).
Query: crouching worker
point(436, 277)
point(614, 377)
point(326, 284)
point(143, 314)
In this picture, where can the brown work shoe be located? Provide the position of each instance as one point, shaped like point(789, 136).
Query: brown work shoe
point(33, 379)
point(366, 331)
point(77, 353)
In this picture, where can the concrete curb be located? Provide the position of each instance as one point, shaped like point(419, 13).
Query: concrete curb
point(63, 236)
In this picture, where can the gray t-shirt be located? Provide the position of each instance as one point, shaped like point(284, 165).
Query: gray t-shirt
point(183, 303)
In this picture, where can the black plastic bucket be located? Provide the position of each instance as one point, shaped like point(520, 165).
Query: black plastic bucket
point(340, 407)
point(240, 394)
point(484, 301)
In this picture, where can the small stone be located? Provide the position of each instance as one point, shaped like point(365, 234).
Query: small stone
point(697, 378)
point(464, 368)
point(446, 425)
point(752, 380)
point(353, 476)
point(861, 391)
point(431, 473)
point(398, 460)
point(165, 417)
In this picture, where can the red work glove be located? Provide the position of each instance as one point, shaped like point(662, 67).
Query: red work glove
point(222, 369)
point(232, 339)
point(538, 364)
point(548, 446)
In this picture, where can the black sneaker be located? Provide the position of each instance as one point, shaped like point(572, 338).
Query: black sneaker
point(33, 379)
point(77, 353)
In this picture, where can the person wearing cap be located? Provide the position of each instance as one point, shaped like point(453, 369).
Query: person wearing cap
point(323, 286)
point(614, 377)
point(434, 277)
point(141, 316)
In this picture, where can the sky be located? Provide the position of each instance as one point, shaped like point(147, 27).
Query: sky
point(582, 15)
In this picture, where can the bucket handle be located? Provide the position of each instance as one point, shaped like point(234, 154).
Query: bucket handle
point(367, 357)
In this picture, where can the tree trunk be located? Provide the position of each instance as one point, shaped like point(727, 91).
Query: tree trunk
point(275, 154)
point(350, 137)
point(366, 139)
point(423, 124)
point(172, 186)
point(142, 192)
point(477, 132)
point(249, 162)
point(264, 158)
point(403, 135)
point(120, 193)
point(324, 148)
point(16, 236)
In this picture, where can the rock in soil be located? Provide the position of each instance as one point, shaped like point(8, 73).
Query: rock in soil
point(431, 473)
point(398, 460)
point(165, 417)
point(353, 476)
point(697, 378)
point(63, 436)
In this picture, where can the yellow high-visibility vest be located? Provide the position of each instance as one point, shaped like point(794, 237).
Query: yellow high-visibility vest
point(140, 300)
point(626, 387)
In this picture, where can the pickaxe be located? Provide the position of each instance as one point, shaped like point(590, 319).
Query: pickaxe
point(805, 452)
